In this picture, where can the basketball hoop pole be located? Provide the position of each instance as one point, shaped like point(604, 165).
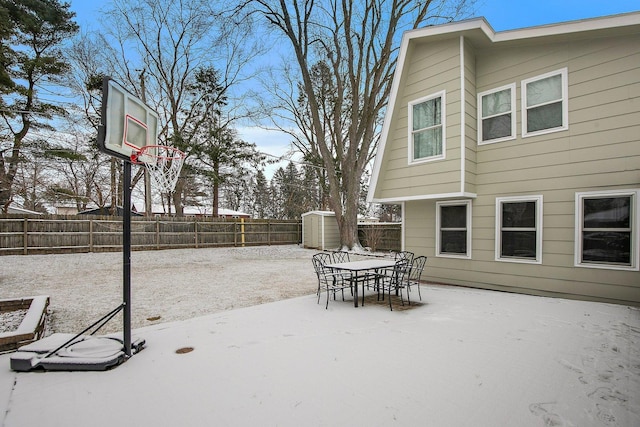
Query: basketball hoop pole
point(126, 262)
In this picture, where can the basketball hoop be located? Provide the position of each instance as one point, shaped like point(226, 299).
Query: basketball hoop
point(163, 164)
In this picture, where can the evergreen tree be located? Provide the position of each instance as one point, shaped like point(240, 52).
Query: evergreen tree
point(217, 153)
point(260, 196)
point(291, 189)
point(278, 195)
point(31, 34)
point(310, 189)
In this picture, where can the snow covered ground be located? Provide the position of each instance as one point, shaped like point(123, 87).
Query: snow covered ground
point(166, 285)
point(463, 357)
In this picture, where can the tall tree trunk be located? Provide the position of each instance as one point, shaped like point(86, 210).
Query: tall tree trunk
point(114, 186)
point(148, 206)
point(216, 189)
point(177, 197)
point(5, 191)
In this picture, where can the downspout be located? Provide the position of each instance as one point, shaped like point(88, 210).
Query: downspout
point(402, 227)
point(463, 146)
point(322, 230)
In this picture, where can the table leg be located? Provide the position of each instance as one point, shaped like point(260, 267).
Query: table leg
point(355, 291)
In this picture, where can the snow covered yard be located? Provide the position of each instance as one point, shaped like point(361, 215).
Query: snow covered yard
point(166, 285)
point(463, 357)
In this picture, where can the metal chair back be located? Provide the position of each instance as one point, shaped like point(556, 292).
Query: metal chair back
point(406, 255)
point(340, 256)
point(417, 266)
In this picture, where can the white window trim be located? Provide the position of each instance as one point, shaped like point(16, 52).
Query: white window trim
point(511, 86)
point(468, 225)
point(635, 235)
point(498, 236)
point(565, 103)
point(441, 94)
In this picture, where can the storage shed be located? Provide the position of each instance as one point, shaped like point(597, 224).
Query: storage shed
point(320, 230)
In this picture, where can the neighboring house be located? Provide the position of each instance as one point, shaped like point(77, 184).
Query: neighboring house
point(21, 211)
point(196, 211)
point(107, 210)
point(66, 209)
point(516, 156)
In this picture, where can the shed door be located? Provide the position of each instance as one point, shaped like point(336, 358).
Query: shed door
point(315, 231)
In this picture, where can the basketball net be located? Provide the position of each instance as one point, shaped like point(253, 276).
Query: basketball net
point(163, 164)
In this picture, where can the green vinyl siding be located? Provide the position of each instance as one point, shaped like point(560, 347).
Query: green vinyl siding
point(600, 151)
point(432, 69)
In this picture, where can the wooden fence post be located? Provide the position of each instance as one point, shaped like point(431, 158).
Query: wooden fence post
point(195, 231)
point(235, 233)
point(90, 235)
point(25, 236)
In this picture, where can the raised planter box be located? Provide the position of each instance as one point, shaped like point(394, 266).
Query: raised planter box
point(31, 328)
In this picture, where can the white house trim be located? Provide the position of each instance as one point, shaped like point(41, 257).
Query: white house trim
point(441, 196)
point(443, 124)
point(402, 226)
point(463, 146)
point(635, 235)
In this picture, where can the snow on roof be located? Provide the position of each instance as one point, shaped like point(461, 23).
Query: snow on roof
point(191, 210)
point(17, 210)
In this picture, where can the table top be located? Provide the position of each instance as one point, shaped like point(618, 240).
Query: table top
point(365, 264)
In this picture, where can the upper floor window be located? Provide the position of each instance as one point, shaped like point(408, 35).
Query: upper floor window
point(606, 233)
point(519, 229)
point(453, 224)
point(544, 103)
point(497, 118)
point(426, 121)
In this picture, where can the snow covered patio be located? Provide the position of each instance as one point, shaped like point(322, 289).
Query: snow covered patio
point(464, 357)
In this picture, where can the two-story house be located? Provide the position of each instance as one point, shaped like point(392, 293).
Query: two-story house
point(516, 156)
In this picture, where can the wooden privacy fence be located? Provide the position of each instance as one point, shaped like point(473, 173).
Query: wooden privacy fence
point(381, 236)
point(37, 235)
point(73, 234)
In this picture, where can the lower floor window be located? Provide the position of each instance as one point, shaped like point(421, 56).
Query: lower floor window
point(519, 229)
point(454, 226)
point(605, 232)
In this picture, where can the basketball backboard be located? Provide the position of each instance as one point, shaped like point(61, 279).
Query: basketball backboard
point(128, 124)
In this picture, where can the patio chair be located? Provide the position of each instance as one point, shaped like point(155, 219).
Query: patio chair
point(340, 256)
point(417, 266)
point(367, 279)
point(393, 280)
point(324, 258)
point(331, 281)
point(404, 255)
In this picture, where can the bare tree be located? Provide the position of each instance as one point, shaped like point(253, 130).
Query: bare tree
point(88, 56)
point(346, 54)
point(169, 41)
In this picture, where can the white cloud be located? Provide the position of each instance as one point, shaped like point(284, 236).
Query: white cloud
point(272, 142)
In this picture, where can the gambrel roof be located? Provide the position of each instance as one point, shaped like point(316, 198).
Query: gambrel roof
point(482, 35)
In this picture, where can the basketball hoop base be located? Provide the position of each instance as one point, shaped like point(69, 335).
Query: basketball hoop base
point(84, 353)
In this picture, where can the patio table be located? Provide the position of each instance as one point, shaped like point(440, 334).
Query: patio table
point(356, 267)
